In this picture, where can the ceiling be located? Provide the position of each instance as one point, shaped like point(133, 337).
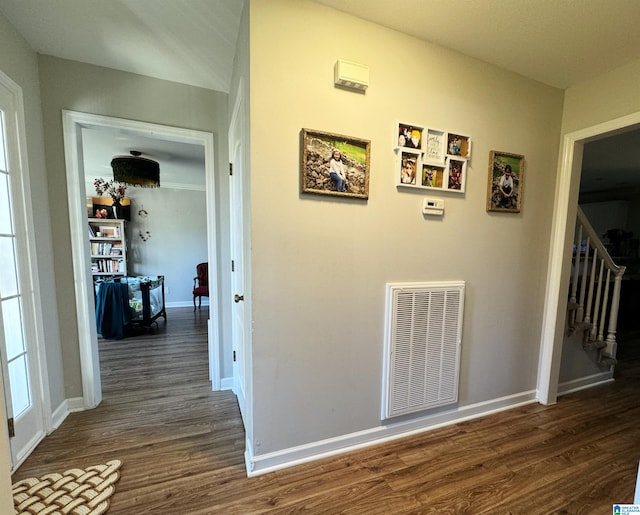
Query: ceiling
point(181, 164)
point(557, 42)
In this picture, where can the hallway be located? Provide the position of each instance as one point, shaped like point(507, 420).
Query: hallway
point(182, 447)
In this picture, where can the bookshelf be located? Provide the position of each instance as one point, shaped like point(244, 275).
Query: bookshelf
point(108, 247)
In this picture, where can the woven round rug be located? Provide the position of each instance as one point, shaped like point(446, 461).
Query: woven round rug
point(74, 492)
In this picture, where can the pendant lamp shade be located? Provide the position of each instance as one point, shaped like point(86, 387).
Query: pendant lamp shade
point(136, 170)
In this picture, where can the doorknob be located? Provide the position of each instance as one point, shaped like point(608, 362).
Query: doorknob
point(237, 298)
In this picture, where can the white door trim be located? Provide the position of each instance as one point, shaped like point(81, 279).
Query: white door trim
point(566, 199)
point(73, 123)
point(30, 281)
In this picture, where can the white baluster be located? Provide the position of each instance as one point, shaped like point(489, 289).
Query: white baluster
point(592, 279)
point(605, 302)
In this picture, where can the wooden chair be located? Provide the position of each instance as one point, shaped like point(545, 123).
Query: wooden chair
point(200, 284)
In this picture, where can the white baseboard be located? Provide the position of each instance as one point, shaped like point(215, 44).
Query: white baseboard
point(576, 385)
point(270, 462)
point(184, 304)
point(226, 383)
point(61, 412)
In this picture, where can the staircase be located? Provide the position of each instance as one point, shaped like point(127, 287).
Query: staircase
point(593, 303)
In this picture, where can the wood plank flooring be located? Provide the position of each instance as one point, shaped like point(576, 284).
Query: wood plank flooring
point(182, 447)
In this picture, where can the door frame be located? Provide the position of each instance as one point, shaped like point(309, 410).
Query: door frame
point(73, 123)
point(28, 276)
point(564, 217)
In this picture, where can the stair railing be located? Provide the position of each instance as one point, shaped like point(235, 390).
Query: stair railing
point(591, 307)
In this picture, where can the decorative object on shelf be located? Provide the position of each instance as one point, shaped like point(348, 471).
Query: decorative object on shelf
point(333, 164)
point(117, 207)
point(136, 170)
point(113, 189)
point(506, 181)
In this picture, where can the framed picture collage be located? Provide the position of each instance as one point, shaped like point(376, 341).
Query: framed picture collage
point(431, 158)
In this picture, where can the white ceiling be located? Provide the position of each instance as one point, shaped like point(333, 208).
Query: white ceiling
point(181, 164)
point(557, 42)
point(188, 41)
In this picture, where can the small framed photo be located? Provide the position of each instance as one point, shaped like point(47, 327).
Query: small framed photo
point(333, 164)
point(458, 145)
point(108, 231)
point(456, 174)
point(434, 146)
point(409, 136)
point(408, 166)
point(506, 181)
point(433, 176)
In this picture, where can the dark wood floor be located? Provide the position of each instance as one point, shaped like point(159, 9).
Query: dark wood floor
point(182, 447)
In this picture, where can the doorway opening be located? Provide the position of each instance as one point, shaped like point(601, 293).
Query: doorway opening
point(73, 125)
point(564, 217)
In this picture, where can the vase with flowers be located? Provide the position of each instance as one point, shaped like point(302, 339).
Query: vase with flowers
point(114, 189)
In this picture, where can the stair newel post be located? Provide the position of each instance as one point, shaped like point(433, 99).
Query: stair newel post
point(592, 279)
point(613, 314)
point(583, 284)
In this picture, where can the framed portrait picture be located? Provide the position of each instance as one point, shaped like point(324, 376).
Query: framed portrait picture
point(458, 145)
point(506, 180)
point(433, 176)
point(409, 136)
point(456, 174)
point(334, 164)
point(408, 166)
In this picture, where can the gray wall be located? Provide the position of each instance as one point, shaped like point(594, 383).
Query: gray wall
point(320, 264)
point(177, 239)
point(20, 62)
point(92, 89)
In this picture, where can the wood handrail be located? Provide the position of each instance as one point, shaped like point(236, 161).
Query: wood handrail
point(596, 243)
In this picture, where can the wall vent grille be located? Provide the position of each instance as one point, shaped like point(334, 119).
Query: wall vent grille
point(423, 334)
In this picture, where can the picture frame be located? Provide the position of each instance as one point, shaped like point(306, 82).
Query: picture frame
point(316, 156)
point(458, 145)
point(108, 231)
point(433, 176)
point(505, 182)
point(434, 146)
point(456, 174)
point(408, 166)
point(409, 136)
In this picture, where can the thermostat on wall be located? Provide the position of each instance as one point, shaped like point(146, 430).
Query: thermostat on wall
point(433, 206)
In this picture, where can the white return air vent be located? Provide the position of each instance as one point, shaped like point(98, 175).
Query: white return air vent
point(423, 331)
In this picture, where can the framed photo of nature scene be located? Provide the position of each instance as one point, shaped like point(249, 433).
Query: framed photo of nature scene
point(506, 181)
point(334, 164)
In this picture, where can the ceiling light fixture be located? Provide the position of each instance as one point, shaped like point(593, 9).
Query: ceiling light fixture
point(136, 170)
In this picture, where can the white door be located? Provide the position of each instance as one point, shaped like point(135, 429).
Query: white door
point(237, 256)
point(18, 347)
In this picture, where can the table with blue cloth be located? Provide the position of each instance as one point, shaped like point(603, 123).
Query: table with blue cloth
point(112, 309)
